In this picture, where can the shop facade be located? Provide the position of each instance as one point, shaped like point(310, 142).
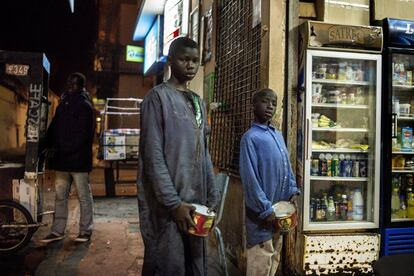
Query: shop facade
point(248, 45)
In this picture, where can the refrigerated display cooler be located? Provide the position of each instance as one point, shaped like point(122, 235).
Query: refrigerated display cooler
point(398, 123)
point(340, 115)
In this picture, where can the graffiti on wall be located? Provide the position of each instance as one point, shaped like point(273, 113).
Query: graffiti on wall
point(33, 112)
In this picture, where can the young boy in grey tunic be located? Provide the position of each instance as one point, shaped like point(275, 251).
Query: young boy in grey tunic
point(175, 169)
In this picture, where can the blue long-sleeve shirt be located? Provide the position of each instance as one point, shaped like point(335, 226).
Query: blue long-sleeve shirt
point(267, 178)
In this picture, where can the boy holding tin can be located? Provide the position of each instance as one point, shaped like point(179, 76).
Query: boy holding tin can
point(175, 169)
point(267, 178)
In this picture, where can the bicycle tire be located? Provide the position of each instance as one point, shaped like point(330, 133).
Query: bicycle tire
point(11, 240)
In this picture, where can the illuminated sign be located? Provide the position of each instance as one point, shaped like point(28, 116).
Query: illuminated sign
point(152, 48)
point(134, 53)
point(175, 21)
point(17, 69)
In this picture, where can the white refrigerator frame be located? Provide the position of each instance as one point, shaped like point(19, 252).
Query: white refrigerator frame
point(309, 226)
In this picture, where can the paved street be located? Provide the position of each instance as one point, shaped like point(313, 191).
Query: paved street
point(116, 247)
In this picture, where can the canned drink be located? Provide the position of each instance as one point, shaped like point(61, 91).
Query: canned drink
point(328, 167)
point(315, 167)
point(355, 169)
point(323, 165)
point(335, 165)
point(341, 165)
point(363, 168)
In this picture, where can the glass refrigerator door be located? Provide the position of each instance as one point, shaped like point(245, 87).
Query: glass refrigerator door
point(342, 141)
point(402, 190)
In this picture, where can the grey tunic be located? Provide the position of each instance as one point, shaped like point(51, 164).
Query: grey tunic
point(175, 166)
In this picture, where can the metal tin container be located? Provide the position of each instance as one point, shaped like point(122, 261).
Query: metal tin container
point(203, 219)
point(286, 216)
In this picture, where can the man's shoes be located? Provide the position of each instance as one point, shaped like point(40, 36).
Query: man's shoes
point(83, 238)
point(52, 237)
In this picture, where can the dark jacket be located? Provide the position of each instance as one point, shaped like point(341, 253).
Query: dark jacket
point(70, 134)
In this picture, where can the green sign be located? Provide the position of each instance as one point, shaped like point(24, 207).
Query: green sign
point(134, 53)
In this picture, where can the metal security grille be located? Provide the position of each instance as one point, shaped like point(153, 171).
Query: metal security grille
point(237, 78)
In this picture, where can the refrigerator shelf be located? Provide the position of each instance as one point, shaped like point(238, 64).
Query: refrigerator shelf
point(348, 106)
point(338, 221)
point(341, 150)
point(402, 170)
point(406, 118)
point(339, 178)
point(401, 219)
point(339, 129)
point(403, 152)
point(341, 82)
point(340, 225)
point(403, 86)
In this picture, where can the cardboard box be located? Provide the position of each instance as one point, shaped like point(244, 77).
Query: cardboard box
point(114, 146)
point(16, 189)
point(120, 144)
point(28, 196)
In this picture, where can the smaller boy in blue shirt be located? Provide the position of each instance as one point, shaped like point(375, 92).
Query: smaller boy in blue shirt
point(267, 178)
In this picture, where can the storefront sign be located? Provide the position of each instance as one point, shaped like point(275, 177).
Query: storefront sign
point(399, 32)
point(134, 53)
point(152, 45)
point(345, 34)
point(352, 38)
point(176, 14)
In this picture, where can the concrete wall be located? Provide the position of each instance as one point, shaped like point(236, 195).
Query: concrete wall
point(392, 8)
point(128, 16)
point(335, 13)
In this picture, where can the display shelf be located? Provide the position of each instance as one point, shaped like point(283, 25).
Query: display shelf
point(403, 152)
point(341, 82)
point(338, 221)
point(402, 170)
point(401, 219)
point(344, 106)
point(403, 86)
point(340, 225)
point(340, 150)
point(338, 178)
point(339, 129)
point(405, 118)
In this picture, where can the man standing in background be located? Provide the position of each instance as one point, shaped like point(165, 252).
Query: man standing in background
point(69, 149)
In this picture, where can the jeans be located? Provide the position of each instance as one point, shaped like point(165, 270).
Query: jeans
point(62, 184)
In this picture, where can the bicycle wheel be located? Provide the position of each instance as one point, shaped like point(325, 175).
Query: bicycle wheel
point(14, 230)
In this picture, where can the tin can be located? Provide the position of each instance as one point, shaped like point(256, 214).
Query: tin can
point(335, 165)
point(363, 168)
point(315, 167)
point(203, 219)
point(323, 165)
point(286, 216)
point(355, 168)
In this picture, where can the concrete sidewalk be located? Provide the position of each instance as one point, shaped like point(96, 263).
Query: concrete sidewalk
point(116, 247)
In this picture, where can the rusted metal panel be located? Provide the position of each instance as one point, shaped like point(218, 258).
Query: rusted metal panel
point(347, 253)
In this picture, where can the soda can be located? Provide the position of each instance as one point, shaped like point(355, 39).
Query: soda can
point(344, 165)
point(335, 167)
point(329, 167)
point(355, 169)
point(323, 165)
point(363, 168)
point(315, 167)
point(348, 168)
